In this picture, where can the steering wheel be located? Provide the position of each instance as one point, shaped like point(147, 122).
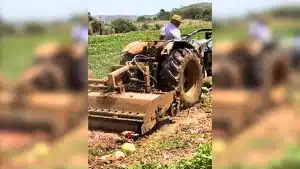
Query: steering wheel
point(206, 44)
point(186, 37)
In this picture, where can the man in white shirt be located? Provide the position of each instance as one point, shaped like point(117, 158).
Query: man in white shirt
point(80, 34)
point(171, 31)
point(260, 31)
point(79, 69)
point(261, 36)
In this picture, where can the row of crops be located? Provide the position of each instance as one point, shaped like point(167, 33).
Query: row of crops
point(105, 50)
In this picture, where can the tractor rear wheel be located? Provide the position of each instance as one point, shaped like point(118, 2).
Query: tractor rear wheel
point(43, 77)
point(182, 72)
point(275, 74)
point(226, 75)
point(2, 82)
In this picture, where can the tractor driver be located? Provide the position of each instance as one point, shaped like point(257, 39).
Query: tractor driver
point(260, 33)
point(80, 65)
point(171, 31)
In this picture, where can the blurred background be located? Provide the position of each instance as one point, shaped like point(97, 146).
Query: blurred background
point(43, 73)
point(256, 84)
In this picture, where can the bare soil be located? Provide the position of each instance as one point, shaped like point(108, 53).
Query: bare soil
point(166, 144)
point(269, 138)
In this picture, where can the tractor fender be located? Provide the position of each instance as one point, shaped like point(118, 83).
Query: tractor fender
point(135, 48)
point(175, 45)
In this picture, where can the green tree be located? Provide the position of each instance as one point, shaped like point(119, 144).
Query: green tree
point(207, 14)
point(163, 15)
point(122, 26)
point(34, 28)
point(157, 26)
point(141, 19)
point(145, 26)
point(90, 16)
point(96, 27)
point(7, 29)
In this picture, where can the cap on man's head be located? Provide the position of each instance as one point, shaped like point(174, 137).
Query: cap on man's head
point(177, 18)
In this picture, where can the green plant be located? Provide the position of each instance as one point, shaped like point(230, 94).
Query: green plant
point(123, 26)
point(145, 26)
point(203, 160)
point(291, 160)
point(105, 50)
point(96, 27)
point(141, 19)
point(34, 28)
point(157, 26)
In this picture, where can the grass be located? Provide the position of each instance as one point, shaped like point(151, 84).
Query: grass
point(203, 160)
point(104, 51)
point(289, 160)
point(279, 28)
point(174, 143)
point(68, 153)
point(17, 51)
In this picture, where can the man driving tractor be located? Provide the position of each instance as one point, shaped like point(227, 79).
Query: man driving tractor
point(171, 31)
point(261, 34)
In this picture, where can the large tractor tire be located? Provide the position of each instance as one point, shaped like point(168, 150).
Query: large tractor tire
point(275, 73)
point(2, 82)
point(226, 75)
point(43, 77)
point(208, 63)
point(182, 72)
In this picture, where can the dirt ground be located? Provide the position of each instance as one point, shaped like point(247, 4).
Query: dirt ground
point(264, 141)
point(268, 139)
point(167, 144)
point(69, 152)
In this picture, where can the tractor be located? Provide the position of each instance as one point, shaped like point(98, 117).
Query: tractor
point(155, 79)
point(46, 102)
point(248, 81)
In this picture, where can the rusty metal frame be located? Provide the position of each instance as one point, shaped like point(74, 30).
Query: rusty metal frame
point(114, 80)
point(137, 111)
point(55, 109)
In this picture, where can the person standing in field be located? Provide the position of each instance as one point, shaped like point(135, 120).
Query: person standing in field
point(171, 31)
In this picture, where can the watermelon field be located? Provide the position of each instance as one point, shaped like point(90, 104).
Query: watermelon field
point(105, 50)
point(184, 144)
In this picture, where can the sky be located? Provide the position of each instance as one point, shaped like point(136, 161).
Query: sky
point(51, 9)
point(236, 8)
point(136, 7)
point(40, 9)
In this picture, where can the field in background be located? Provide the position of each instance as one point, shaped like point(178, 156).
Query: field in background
point(104, 51)
point(187, 23)
point(238, 30)
point(17, 51)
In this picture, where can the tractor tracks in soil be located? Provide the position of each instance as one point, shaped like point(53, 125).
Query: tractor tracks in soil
point(166, 144)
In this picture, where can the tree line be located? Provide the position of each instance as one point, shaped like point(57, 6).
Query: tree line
point(27, 28)
point(119, 25)
point(37, 27)
point(194, 12)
